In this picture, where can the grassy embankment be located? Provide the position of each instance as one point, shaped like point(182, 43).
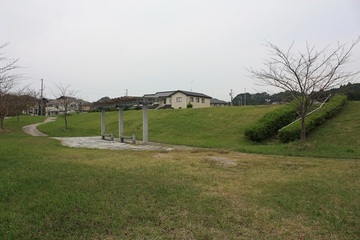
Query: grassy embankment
point(48, 191)
point(223, 128)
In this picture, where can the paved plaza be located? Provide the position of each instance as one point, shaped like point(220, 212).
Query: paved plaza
point(97, 142)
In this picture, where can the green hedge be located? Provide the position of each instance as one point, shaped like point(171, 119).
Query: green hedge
point(330, 109)
point(270, 123)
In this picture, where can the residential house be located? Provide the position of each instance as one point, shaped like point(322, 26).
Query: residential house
point(214, 102)
point(35, 108)
point(56, 106)
point(179, 99)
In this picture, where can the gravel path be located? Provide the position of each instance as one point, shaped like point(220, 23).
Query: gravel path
point(98, 143)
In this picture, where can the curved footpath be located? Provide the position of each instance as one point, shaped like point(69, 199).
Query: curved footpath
point(33, 131)
point(97, 143)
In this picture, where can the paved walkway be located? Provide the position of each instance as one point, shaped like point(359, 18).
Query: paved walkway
point(98, 143)
point(33, 131)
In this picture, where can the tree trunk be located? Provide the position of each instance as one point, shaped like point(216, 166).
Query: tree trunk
point(303, 128)
point(66, 124)
point(2, 123)
point(303, 111)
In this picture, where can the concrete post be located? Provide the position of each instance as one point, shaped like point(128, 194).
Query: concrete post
point(103, 122)
point(145, 123)
point(121, 122)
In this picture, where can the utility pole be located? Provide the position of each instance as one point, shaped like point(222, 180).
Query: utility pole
point(231, 96)
point(41, 97)
point(244, 96)
point(126, 92)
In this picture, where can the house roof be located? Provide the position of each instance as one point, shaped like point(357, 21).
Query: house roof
point(170, 93)
point(217, 101)
point(160, 94)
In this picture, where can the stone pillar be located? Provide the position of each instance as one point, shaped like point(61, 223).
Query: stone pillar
point(145, 123)
point(103, 122)
point(121, 122)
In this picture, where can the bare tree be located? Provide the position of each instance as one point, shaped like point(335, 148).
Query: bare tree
point(8, 81)
point(306, 74)
point(66, 95)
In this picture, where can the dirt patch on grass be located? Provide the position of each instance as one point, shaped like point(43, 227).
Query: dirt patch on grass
point(5, 131)
point(222, 161)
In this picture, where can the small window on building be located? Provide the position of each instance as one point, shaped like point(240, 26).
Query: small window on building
point(197, 100)
point(191, 99)
point(203, 100)
point(178, 99)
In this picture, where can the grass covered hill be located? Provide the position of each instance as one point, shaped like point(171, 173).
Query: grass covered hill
point(222, 128)
point(48, 191)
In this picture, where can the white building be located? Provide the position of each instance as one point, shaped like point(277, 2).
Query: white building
point(179, 99)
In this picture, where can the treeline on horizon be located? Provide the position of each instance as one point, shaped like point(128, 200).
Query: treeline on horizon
point(351, 90)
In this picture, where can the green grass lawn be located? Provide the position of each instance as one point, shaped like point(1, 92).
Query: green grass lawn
point(222, 128)
point(48, 191)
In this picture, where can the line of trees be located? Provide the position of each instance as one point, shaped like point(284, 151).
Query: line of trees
point(8, 81)
point(13, 101)
point(351, 90)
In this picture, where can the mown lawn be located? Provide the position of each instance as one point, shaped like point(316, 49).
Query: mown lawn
point(48, 191)
point(222, 128)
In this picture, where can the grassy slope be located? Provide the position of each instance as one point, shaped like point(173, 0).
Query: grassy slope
point(207, 127)
point(223, 128)
point(48, 191)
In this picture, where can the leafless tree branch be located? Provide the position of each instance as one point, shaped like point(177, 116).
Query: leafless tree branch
point(66, 95)
point(8, 81)
point(305, 73)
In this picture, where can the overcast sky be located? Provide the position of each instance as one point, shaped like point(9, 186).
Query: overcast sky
point(103, 47)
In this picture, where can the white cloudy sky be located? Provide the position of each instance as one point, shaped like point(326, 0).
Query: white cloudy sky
point(102, 47)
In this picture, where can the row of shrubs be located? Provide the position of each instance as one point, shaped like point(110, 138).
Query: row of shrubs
point(270, 123)
point(314, 120)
